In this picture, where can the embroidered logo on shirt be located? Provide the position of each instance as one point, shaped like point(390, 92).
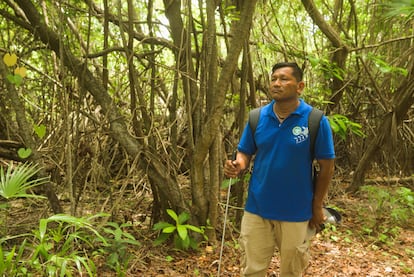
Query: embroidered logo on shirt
point(300, 133)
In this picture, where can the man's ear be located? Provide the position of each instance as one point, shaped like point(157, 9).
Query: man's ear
point(301, 86)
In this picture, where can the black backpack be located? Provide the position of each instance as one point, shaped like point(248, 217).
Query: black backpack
point(313, 124)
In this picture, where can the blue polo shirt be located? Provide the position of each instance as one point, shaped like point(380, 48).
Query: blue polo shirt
point(281, 182)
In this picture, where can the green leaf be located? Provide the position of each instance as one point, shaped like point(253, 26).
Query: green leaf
point(9, 257)
point(182, 232)
point(77, 221)
point(313, 60)
point(2, 266)
point(172, 214)
point(90, 267)
point(14, 79)
point(131, 241)
point(334, 126)
point(334, 238)
point(24, 152)
point(186, 242)
point(17, 179)
point(40, 130)
point(183, 217)
point(401, 8)
point(226, 182)
point(161, 225)
point(161, 239)
point(342, 125)
point(194, 228)
point(42, 229)
point(169, 229)
point(127, 235)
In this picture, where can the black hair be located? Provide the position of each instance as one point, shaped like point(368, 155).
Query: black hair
point(297, 71)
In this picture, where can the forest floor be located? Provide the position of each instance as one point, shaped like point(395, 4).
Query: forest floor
point(330, 258)
point(366, 243)
point(374, 239)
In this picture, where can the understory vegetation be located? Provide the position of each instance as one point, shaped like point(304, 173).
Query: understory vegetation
point(379, 219)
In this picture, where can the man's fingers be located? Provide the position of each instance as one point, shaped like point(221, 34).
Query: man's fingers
point(230, 169)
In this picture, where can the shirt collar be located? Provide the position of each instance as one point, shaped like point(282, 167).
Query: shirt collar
point(301, 110)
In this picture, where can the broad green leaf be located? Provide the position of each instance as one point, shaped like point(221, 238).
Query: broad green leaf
point(169, 229)
point(161, 225)
point(161, 239)
point(24, 152)
point(14, 79)
point(182, 231)
point(172, 214)
point(186, 242)
point(40, 130)
point(183, 217)
point(193, 228)
point(226, 182)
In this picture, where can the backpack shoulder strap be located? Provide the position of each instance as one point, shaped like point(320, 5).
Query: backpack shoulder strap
point(313, 125)
point(254, 119)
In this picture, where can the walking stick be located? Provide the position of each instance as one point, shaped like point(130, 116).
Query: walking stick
point(225, 218)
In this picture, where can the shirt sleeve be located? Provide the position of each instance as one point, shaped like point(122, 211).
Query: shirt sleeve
point(324, 147)
point(247, 143)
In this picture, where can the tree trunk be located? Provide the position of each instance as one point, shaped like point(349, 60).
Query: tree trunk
point(211, 128)
point(202, 131)
point(340, 52)
point(118, 130)
point(386, 131)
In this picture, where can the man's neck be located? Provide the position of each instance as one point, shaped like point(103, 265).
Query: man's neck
point(284, 108)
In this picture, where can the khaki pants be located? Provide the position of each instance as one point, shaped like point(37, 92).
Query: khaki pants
point(258, 240)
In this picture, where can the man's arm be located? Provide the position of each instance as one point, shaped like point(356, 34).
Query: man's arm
point(323, 179)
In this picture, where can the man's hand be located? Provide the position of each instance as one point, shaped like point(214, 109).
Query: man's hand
point(318, 218)
point(323, 180)
point(233, 168)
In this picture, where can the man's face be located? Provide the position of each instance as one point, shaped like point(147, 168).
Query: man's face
point(284, 86)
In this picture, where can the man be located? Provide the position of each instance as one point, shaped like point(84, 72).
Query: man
point(283, 207)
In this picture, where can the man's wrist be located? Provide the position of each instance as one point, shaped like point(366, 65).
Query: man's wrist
point(317, 205)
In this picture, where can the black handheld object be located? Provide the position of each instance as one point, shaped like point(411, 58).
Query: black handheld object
point(233, 157)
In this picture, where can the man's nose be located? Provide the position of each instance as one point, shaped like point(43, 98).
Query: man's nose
point(276, 82)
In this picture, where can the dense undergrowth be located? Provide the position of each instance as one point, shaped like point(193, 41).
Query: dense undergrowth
point(119, 241)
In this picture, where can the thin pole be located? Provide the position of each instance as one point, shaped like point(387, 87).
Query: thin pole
point(225, 219)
